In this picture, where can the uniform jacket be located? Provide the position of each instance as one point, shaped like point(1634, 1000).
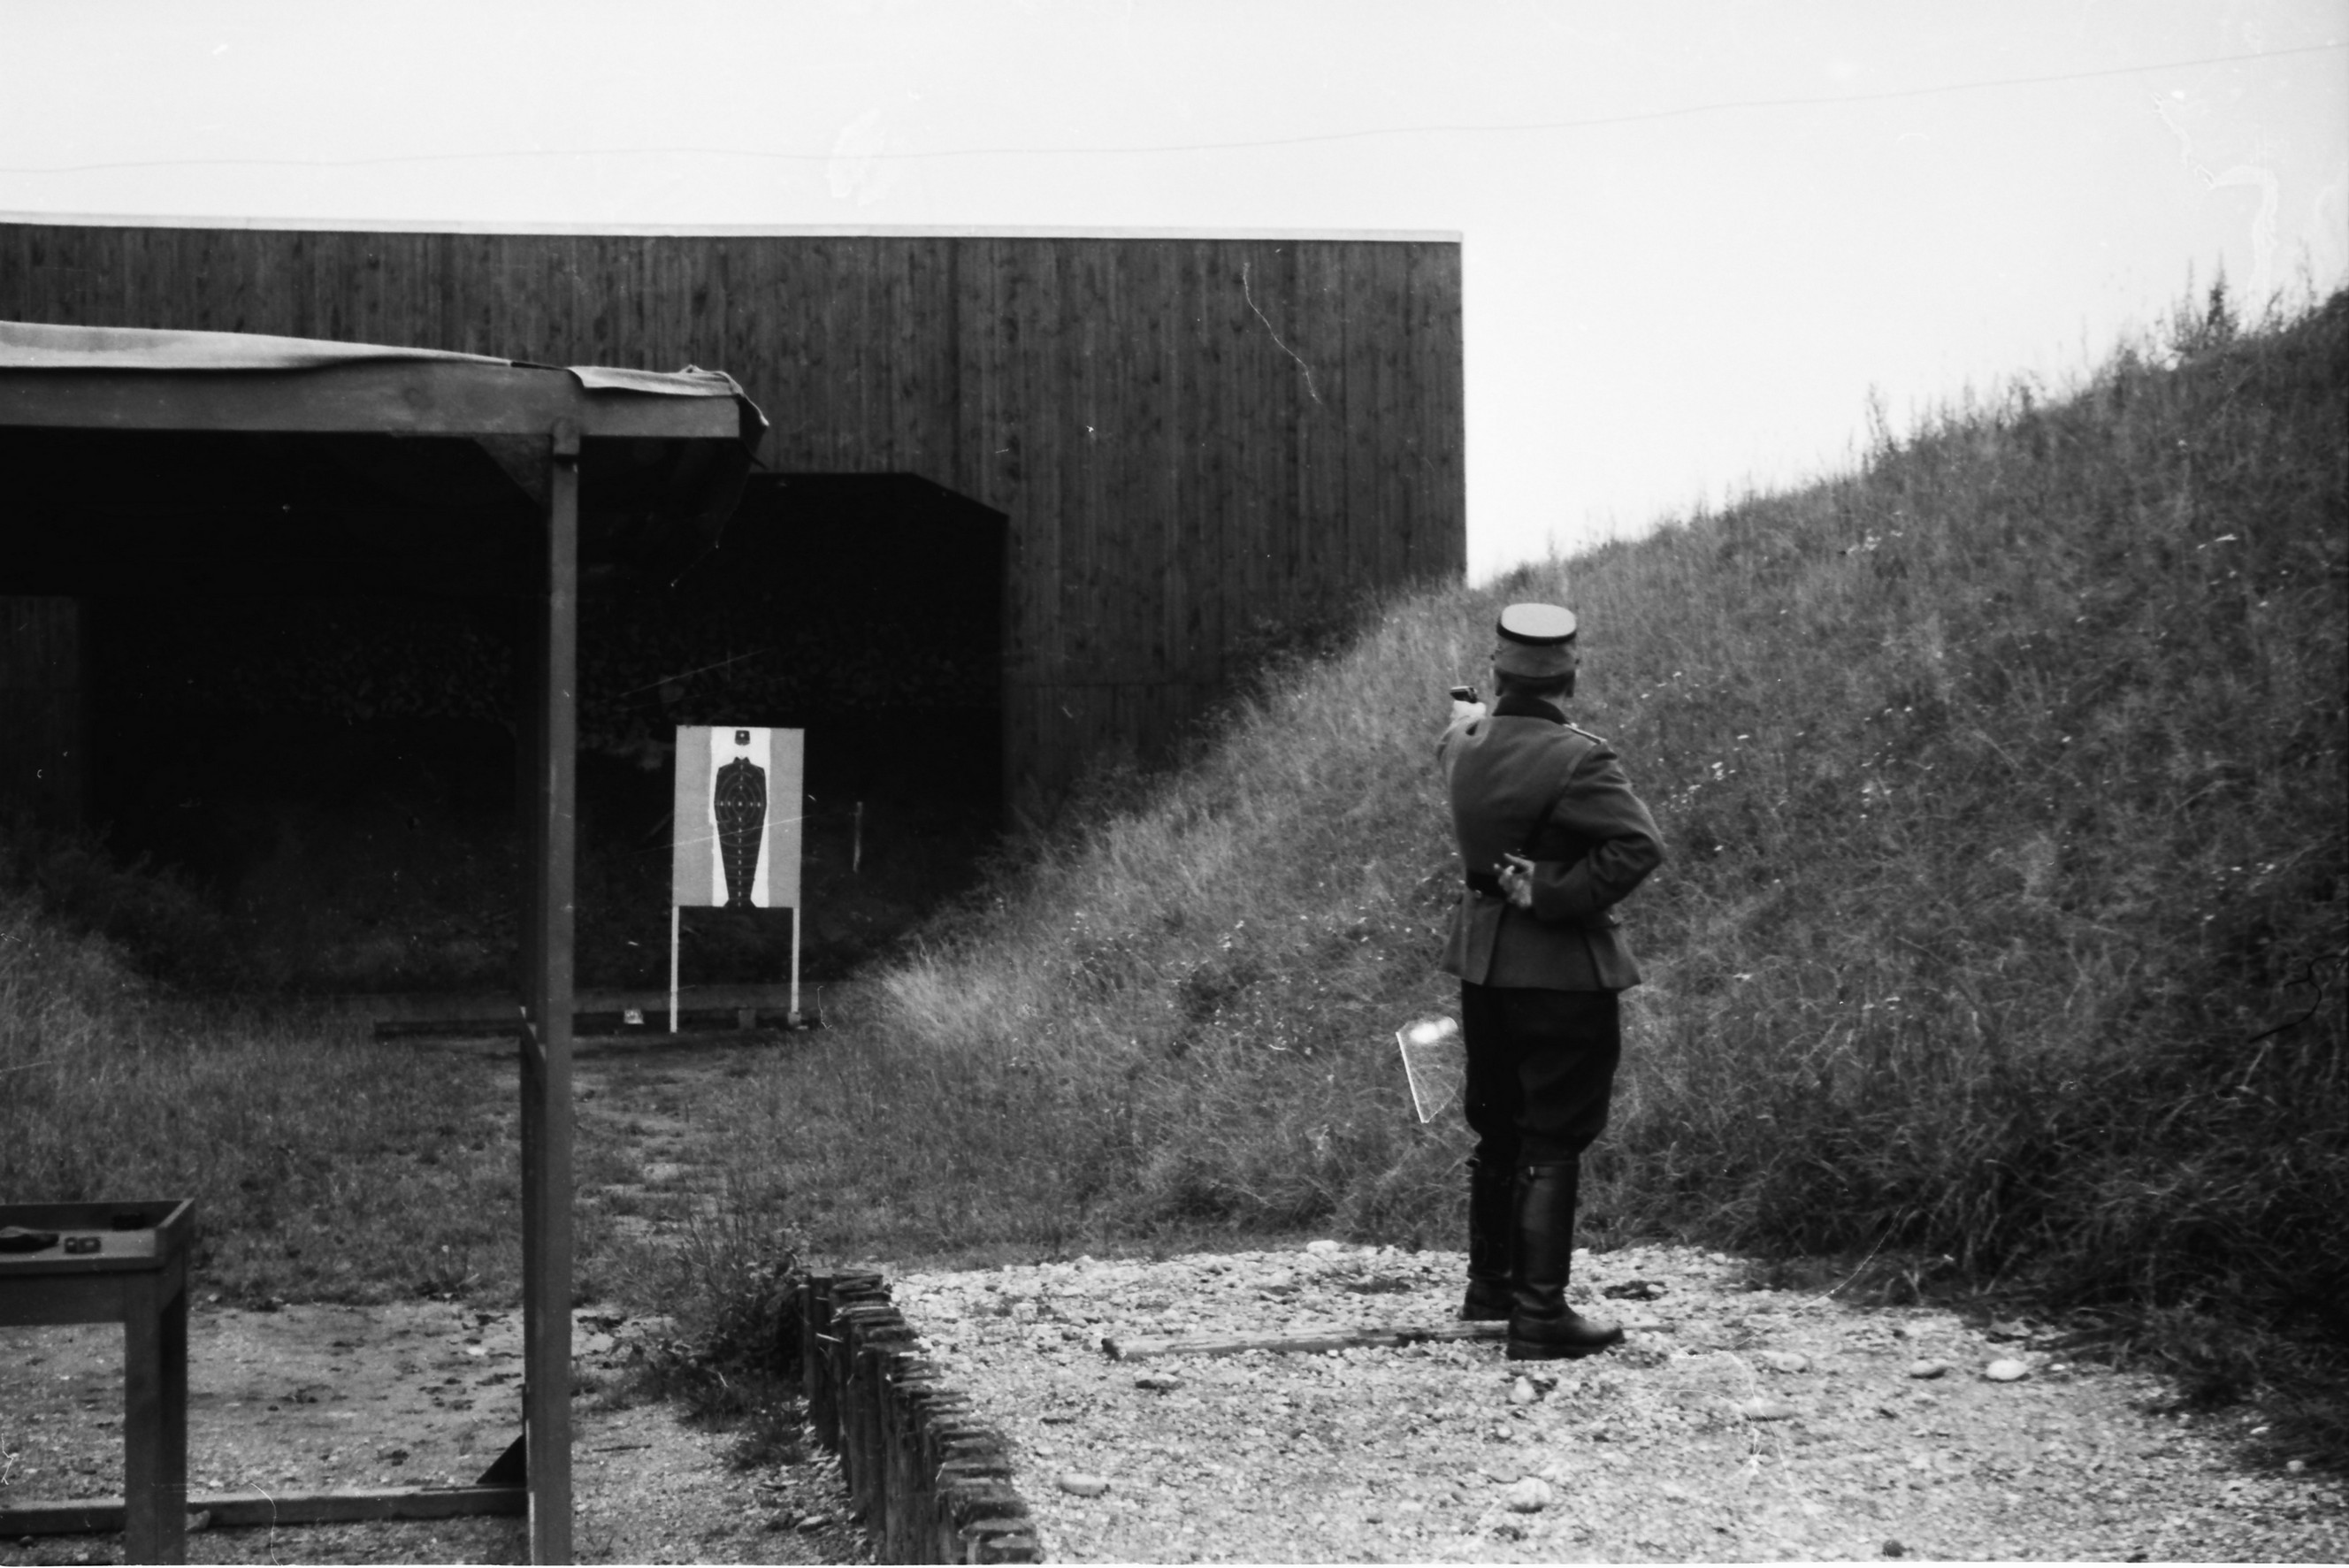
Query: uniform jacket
point(1524, 781)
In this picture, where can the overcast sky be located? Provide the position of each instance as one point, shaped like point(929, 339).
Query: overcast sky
point(1697, 233)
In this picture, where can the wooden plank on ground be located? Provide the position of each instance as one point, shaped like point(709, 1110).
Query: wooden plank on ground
point(455, 1006)
point(228, 1509)
point(1305, 1344)
point(653, 1023)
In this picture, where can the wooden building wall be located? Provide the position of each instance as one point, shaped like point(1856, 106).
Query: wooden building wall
point(1192, 437)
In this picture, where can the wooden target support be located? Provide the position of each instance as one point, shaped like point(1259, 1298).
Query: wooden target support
point(550, 796)
point(762, 855)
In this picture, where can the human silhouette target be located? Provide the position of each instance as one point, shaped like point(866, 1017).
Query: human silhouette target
point(738, 808)
point(739, 803)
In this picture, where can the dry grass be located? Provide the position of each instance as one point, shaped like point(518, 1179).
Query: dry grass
point(325, 1166)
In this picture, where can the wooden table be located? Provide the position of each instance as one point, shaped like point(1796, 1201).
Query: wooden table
point(129, 1265)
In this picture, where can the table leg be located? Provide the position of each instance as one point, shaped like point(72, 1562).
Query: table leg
point(172, 1481)
point(155, 1420)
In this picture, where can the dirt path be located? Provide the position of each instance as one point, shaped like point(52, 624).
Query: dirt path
point(411, 1393)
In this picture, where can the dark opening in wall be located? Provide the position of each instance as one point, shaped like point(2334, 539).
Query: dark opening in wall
point(337, 773)
point(867, 610)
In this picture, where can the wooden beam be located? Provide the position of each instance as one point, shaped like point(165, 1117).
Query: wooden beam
point(608, 1024)
point(551, 805)
point(155, 1417)
point(414, 398)
point(1301, 1344)
point(251, 1508)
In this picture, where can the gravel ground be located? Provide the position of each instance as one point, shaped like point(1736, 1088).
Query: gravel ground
point(313, 1398)
point(1737, 1424)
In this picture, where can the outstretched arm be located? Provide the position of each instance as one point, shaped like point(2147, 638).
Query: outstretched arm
point(1463, 714)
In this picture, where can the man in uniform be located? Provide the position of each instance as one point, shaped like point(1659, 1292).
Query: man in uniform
point(1552, 837)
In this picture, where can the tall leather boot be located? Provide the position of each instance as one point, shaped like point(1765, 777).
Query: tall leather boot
point(1492, 1222)
point(1542, 1327)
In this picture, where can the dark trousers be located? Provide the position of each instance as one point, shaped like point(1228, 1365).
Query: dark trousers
point(1541, 1070)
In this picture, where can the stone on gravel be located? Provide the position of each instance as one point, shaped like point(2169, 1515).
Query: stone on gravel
point(2006, 1370)
point(1785, 1361)
point(1928, 1369)
point(1523, 1392)
point(1285, 1457)
point(1158, 1382)
point(1076, 1483)
point(1530, 1495)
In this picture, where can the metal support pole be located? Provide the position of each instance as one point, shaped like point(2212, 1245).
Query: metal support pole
point(673, 919)
point(550, 804)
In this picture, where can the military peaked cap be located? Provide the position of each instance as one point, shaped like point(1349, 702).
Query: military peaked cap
point(1536, 641)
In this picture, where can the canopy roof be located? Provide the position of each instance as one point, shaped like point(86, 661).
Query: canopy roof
point(146, 461)
point(35, 345)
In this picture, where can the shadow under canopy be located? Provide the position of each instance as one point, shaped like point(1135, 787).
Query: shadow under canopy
point(226, 463)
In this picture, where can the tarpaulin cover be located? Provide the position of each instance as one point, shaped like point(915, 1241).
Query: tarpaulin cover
point(28, 345)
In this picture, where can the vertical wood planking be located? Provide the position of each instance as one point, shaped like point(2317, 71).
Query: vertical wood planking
point(1231, 519)
point(1096, 552)
point(1305, 403)
point(1286, 405)
point(1363, 459)
point(1201, 611)
point(1245, 378)
point(1217, 491)
point(1321, 446)
point(1150, 459)
point(1440, 536)
point(1048, 392)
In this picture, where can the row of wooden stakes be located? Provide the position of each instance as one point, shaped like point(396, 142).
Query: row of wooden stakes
point(929, 1480)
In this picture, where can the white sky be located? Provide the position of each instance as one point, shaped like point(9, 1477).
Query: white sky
point(1698, 233)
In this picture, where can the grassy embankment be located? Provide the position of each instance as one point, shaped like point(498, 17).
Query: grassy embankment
point(2003, 938)
point(326, 1165)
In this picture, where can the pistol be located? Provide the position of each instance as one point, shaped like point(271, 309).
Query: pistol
point(1463, 693)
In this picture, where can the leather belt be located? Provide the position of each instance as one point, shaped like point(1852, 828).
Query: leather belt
point(1486, 884)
